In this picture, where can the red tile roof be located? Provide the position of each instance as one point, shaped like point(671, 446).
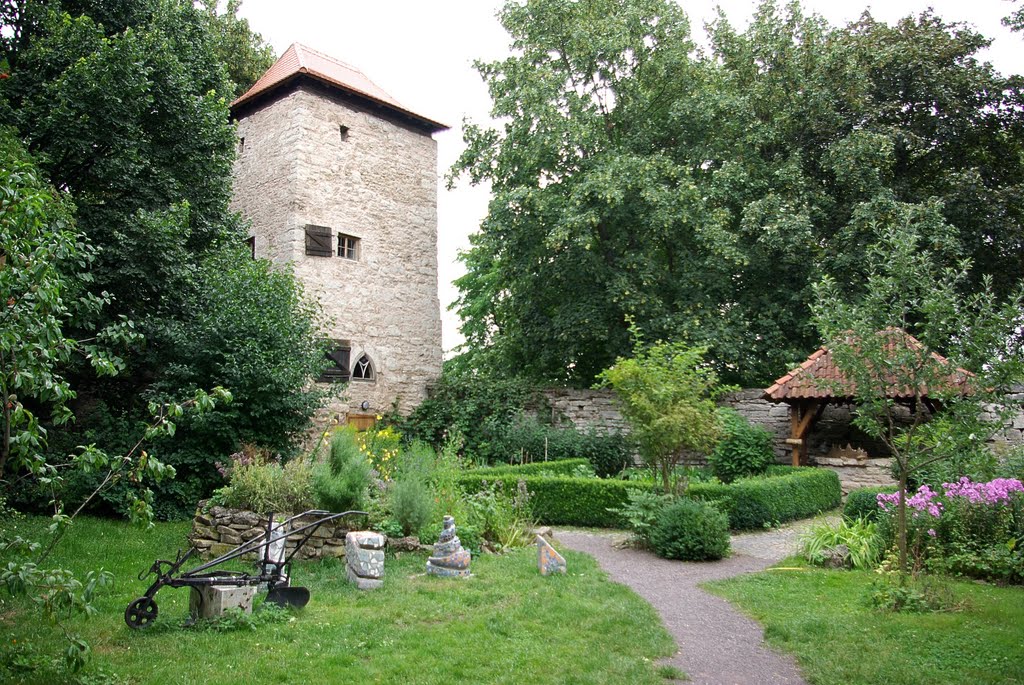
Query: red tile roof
point(819, 377)
point(300, 60)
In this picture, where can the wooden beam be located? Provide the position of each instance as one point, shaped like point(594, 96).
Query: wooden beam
point(801, 417)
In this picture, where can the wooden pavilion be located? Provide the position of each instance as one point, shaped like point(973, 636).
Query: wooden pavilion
point(818, 382)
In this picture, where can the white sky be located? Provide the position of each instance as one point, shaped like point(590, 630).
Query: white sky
point(421, 53)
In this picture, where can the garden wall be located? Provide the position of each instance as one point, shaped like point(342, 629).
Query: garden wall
point(217, 531)
point(830, 443)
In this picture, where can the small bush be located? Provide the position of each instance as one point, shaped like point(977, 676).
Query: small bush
point(690, 531)
point(343, 480)
point(269, 487)
point(862, 503)
point(743, 451)
point(642, 512)
point(411, 504)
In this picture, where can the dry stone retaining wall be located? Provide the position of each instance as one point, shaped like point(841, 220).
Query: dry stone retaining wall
point(218, 530)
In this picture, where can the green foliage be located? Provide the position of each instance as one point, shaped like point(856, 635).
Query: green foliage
point(744, 450)
point(269, 487)
point(922, 595)
point(527, 439)
point(242, 52)
point(563, 500)
point(862, 503)
point(343, 480)
point(690, 531)
point(472, 406)
point(633, 175)
point(642, 512)
point(909, 291)
point(564, 467)
point(859, 536)
point(784, 494)
point(411, 504)
point(667, 394)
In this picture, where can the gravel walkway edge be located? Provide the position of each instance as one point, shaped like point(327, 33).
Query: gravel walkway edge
point(717, 645)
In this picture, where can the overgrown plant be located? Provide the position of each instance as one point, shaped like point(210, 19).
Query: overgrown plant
point(667, 394)
point(641, 512)
point(860, 537)
point(343, 480)
point(909, 290)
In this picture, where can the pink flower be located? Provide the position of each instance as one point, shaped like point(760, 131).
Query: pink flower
point(931, 531)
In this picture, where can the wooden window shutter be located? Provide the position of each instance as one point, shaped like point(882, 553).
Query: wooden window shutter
point(318, 241)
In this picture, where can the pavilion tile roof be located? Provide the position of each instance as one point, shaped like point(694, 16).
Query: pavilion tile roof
point(299, 60)
point(819, 378)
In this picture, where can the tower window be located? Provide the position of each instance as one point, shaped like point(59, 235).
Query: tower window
point(348, 246)
point(343, 130)
point(338, 358)
point(318, 241)
point(251, 242)
point(362, 370)
point(241, 144)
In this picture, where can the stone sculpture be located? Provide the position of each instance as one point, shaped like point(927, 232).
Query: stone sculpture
point(364, 559)
point(449, 560)
point(548, 560)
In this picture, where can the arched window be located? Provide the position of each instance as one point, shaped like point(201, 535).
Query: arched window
point(362, 370)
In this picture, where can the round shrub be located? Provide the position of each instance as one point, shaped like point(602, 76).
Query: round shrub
point(862, 503)
point(690, 531)
point(744, 450)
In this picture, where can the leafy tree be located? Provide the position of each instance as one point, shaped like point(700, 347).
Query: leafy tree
point(243, 53)
point(908, 290)
point(667, 395)
point(704, 194)
point(124, 104)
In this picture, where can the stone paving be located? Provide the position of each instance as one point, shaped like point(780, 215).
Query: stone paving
point(717, 644)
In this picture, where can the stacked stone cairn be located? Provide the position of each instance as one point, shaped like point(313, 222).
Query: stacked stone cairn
point(449, 560)
point(364, 559)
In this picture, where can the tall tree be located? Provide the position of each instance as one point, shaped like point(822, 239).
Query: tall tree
point(704, 193)
point(125, 106)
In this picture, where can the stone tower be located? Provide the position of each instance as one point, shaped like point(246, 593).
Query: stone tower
point(340, 181)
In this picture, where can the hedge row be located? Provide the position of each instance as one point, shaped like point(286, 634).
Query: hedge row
point(563, 467)
point(564, 500)
point(863, 502)
point(788, 493)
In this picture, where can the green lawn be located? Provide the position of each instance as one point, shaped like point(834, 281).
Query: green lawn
point(821, 617)
point(505, 625)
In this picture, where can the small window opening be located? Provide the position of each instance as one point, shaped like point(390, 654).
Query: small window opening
point(337, 370)
point(343, 130)
point(362, 370)
point(318, 241)
point(251, 242)
point(241, 144)
point(348, 246)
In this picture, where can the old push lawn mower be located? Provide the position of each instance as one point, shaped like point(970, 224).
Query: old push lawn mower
point(273, 567)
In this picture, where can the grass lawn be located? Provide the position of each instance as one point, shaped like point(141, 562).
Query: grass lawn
point(507, 624)
point(822, 617)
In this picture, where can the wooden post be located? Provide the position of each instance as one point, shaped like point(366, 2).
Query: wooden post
point(801, 416)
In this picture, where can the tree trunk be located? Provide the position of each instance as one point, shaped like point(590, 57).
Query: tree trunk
point(901, 523)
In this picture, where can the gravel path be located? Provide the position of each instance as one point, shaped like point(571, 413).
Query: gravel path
point(717, 644)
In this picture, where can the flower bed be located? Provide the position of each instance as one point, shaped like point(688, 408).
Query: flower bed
point(964, 528)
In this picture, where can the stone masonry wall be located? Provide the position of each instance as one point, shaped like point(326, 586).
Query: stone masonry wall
point(376, 182)
point(833, 442)
point(218, 530)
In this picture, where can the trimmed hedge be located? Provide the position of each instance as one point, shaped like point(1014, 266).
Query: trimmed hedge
point(863, 502)
point(563, 500)
point(564, 467)
point(787, 493)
